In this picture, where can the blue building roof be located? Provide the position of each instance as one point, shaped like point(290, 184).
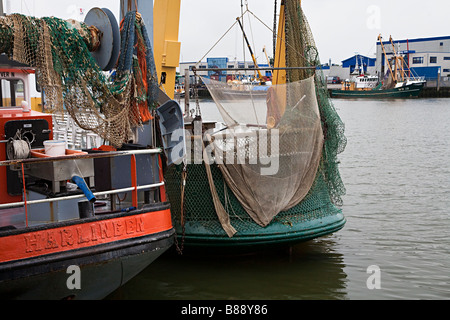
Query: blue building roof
point(362, 60)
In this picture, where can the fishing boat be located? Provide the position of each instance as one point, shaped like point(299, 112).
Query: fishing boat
point(399, 81)
point(266, 174)
point(244, 88)
point(78, 224)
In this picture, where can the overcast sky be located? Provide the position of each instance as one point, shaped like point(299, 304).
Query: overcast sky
point(340, 27)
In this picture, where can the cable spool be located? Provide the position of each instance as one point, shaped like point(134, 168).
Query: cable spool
point(18, 148)
point(107, 53)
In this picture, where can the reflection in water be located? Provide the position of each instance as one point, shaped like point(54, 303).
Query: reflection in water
point(311, 270)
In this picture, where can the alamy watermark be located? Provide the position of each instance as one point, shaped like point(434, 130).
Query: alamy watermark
point(373, 21)
point(74, 280)
point(374, 280)
point(258, 147)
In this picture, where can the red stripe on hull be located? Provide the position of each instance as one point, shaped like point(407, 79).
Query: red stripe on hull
point(82, 235)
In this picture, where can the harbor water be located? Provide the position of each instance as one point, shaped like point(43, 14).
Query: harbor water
point(395, 244)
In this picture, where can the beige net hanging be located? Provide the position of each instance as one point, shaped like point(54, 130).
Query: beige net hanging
point(270, 152)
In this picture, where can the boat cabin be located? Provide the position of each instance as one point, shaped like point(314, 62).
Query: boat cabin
point(362, 82)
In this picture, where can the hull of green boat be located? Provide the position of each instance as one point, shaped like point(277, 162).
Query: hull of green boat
point(275, 234)
point(412, 91)
point(315, 216)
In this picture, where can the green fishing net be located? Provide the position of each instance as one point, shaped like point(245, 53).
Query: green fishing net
point(109, 105)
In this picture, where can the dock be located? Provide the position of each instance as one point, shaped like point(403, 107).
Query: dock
point(427, 92)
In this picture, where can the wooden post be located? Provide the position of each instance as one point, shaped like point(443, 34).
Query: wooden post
point(187, 86)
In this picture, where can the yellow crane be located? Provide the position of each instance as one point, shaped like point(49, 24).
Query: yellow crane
point(261, 78)
point(267, 57)
point(166, 19)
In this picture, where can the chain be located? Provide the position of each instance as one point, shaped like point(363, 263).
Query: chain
point(198, 112)
point(180, 247)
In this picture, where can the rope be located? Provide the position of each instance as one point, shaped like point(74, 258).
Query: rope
point(199, 61)
point(222, 214)
point(18, 148)
point(262, 22)
point(287, 44)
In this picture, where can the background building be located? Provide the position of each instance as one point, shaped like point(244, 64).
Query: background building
point(223, 62)
point(367, 63)
point(348, 65)
point(426, 57)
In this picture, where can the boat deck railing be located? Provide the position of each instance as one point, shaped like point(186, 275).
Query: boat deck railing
point(134, 188)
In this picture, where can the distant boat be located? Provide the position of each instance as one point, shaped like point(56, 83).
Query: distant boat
point(243, 88)
point(398, 83)
point(407, 89)
point(179, 90)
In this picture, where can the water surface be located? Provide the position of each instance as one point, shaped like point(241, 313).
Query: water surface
point(396, 168)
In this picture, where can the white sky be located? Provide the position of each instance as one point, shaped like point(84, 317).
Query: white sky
point(340, 28)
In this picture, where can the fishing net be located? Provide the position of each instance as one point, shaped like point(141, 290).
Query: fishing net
point(308, 184)
point(272, 147)
point(73, 82)
point(302, 51)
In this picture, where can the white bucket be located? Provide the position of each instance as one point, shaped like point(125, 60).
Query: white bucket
point(55, 148)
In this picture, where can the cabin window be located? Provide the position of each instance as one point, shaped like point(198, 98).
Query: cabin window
point(417, 60)
point(433, 59)
point(12, 93)
point(446, 58)
point(230, 66)
point(446, 70)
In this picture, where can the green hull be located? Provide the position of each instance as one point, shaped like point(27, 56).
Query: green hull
point(410, 91)
point(314, 217)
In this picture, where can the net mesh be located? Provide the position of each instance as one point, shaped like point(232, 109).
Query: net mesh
point(197, 216)
point(302, 51)
point(195, 213)
point(73, 82)
point(271, 149)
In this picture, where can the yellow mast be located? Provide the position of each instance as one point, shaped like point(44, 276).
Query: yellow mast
point(385, 55)
point(398, 61)
point(395, 59)
point(251, 51)
point(166, 19)
point(279, 76)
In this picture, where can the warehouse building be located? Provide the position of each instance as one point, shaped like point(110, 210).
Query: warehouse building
point(347, 66)
point(222, 63)
point(426, 57)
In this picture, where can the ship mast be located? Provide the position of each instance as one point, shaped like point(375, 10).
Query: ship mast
point(279, 76)
point(399, 61)
point(385, 55)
